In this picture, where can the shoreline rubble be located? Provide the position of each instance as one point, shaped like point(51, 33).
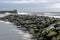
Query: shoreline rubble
point(40, 27)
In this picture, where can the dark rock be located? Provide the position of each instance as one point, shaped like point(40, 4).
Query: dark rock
point(35, 25)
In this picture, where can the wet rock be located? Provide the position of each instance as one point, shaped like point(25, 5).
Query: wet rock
point(41, 27)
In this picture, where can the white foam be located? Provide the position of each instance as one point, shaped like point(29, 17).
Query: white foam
point(6, 22)
point(25, 35)
point(7, 13)
point(22, 13)
point(1, 21)
point(56, 16)
point(51, 15)
point(19, 31)
point(2, 15)
point(48, 14)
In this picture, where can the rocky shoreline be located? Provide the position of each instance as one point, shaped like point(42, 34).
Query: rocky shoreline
point(41, 27)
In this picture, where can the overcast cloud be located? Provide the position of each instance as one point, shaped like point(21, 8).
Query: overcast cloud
point(32, 3)
point(55, 3)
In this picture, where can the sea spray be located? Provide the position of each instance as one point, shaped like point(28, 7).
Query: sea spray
point(5, 22)
point(25, 35)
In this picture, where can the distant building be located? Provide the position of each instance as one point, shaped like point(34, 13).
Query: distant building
point(14, 11)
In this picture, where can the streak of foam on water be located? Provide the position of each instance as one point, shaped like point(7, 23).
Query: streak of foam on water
point(5, 14)
point(51, 15)
point(22, 13)
point(6, 22)
point(26, 36)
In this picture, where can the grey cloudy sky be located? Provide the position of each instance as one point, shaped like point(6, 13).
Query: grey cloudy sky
point(50, 3)
point(34, 4)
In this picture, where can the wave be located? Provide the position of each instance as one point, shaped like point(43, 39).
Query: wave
point(5, 14)
point(6, 22)
point(25, 35)
point(52, 15)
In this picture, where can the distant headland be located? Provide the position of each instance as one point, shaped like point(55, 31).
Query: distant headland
point(14, 11)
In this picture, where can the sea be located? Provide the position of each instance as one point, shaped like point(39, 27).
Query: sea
point(29, 7)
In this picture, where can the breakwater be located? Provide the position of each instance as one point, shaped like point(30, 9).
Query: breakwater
point(41, 27)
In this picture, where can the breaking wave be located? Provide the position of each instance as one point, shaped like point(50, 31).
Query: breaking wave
point(6, 22)
point(52, 15)
point(25, 35)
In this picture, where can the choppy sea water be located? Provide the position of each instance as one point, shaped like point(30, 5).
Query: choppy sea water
point(8, 31)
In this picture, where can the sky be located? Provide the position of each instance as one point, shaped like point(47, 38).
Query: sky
point(30, 5)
